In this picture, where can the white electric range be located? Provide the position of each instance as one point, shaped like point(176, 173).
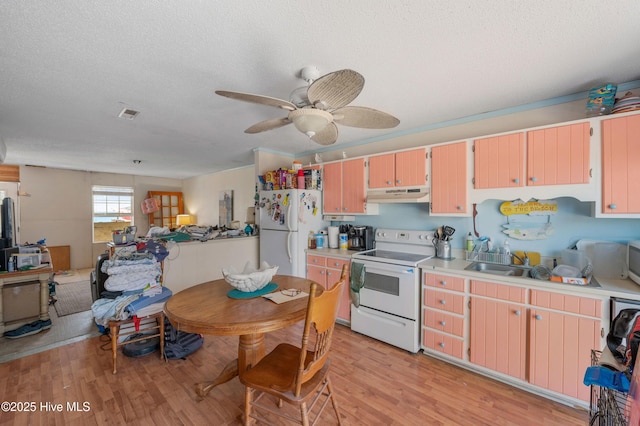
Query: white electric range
point(389, 305)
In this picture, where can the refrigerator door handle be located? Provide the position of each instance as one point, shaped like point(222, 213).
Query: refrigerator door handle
point(288, 219)
point(289, 247)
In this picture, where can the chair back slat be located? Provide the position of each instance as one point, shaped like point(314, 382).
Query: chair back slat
point(322, 311)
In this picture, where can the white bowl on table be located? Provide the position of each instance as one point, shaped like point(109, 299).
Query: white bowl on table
point(250, 279)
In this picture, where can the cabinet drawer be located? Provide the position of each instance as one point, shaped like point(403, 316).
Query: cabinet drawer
point(336, 263)
point(442, 343)
point(316, 260)
point(444, 301)
point(444, 322)
point(566, 303)
point(444, 282)
point(498, 291)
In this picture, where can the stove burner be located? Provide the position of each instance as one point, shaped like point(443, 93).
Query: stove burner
point(393, 255)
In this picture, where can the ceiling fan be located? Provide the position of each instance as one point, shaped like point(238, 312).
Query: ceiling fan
point(315, 109)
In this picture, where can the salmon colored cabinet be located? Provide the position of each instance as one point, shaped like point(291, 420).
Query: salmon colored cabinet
point(443, 314)
point(498, 336)
point(558, 155)
point(344, 187)
point(561, 341)
point(499, 161)
point(498, 328)
point(406, 168)
point(449, 178)
point(326, 270)
point(621, 165)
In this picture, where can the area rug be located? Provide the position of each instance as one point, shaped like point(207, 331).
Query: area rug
point(73, 297)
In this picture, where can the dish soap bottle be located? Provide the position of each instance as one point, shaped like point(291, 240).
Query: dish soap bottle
point(469, 243)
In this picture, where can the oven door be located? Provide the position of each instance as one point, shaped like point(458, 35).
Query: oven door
point(393, 289)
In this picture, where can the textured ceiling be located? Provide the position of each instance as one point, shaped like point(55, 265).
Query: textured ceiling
point(68, 67)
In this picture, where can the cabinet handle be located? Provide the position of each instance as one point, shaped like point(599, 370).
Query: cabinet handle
point(336, 264)
point(344, 208)
point(328, 273)
point(398, 181)
point(516, 180)
point(443, 302)
point(538, 317)
point(459, 207)
point(442, 323)
point(613, 206)
point(388, 182)
point(517, 312)
point(441, 344)
point(337, 209)
point(321, 272)
point(443, 282)
point(533, 179)
point(315, 260)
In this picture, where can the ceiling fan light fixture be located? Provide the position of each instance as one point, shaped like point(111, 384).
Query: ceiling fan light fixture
point(310, 121)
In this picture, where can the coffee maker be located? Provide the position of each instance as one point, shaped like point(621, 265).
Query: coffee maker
point(361, 238)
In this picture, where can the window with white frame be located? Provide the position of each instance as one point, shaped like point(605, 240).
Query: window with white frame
point(112, 211)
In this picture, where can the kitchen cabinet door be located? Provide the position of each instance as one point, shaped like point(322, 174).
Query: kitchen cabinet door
point(317, 274)
point(621, 165)
point(499, 161)
point(382, 171)
point(332, 188)
point(560, 351)
point(406, 168)
point(353, 186)
point(498, 336)
point(449, 178)
point(558, 155)
point(411, 167)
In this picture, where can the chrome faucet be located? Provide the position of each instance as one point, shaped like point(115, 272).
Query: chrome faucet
point(524, 261)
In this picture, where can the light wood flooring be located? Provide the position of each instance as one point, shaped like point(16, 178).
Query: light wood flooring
point(376, 384)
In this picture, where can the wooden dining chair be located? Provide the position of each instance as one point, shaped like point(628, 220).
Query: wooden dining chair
point(298, 375)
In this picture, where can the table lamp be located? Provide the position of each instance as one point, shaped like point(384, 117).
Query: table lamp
point(184, 219)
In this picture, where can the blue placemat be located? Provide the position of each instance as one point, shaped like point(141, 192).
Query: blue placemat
point(237, 294)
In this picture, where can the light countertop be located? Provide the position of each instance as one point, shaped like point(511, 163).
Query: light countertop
point(609, 287)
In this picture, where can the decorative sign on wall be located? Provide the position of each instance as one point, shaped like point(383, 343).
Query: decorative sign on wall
point(524, 218)
point(225, 208)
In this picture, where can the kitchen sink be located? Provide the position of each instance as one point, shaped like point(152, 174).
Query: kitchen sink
point(497, 269)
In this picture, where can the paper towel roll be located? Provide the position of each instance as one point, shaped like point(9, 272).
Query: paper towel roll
point(333, 236)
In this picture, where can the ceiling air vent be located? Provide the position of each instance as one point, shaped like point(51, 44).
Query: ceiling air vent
point(128, 113)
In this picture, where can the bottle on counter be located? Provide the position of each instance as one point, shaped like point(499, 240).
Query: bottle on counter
point(506, 248)
point(469, 242)
point(312, 240)
point(300, 179)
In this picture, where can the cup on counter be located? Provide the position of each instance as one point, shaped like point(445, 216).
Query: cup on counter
point(343, 241)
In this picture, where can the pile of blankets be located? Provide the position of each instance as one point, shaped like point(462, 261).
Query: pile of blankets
point(135, 277)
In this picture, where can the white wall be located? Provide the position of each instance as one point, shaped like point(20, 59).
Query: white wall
point(201, 194)
point(57, 206)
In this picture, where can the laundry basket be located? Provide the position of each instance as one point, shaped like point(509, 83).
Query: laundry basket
point(608, 406)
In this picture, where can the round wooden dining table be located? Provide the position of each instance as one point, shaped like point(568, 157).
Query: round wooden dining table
point(207, 309)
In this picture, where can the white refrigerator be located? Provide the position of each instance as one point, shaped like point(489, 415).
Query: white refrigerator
point(286, 218)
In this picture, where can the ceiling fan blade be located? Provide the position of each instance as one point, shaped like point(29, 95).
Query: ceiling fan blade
point(363, 117)
point(326, 136)
point(271, 124)
point(336, 89)
point(258, 99)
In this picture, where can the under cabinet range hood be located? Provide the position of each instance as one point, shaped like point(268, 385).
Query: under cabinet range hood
point(406, 195)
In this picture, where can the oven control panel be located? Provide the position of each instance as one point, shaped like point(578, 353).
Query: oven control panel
point(405, 236)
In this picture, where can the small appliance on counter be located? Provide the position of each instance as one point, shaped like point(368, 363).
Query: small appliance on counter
point(359, 237)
